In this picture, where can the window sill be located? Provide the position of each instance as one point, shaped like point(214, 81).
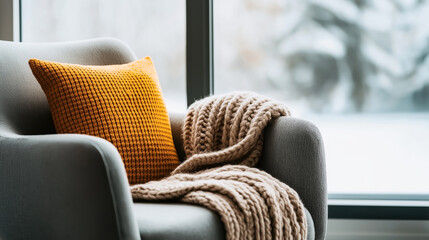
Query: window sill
point(378, 209)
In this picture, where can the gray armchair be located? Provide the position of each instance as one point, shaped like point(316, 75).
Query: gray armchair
point(71, 186)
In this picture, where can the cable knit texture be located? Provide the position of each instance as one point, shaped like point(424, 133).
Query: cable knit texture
point(223, 138)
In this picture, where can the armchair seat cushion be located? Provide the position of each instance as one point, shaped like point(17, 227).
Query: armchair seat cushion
point(182, 221)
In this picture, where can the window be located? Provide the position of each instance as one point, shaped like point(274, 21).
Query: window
point(357, 69)
point(151, 28)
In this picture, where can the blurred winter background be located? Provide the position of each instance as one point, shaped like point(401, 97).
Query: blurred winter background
point(359, 69)
point(325, 56)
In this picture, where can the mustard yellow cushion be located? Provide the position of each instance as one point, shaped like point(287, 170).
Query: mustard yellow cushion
point(120, 103)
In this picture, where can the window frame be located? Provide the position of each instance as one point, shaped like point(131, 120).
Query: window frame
point(378, 206)
point(10, 20)
point(199, 49)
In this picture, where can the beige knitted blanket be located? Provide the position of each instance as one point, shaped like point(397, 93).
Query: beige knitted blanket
point(223, 141)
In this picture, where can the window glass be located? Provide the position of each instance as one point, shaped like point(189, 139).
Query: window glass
point(150, 28)
point(358, 69)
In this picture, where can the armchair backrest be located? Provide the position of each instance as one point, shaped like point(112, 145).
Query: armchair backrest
point(23, 105)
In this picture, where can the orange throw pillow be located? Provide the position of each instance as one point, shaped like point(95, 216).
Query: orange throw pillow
point(120, 103)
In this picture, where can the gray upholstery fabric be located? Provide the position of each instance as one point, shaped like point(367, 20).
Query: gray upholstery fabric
point(293, 152)
point(180, 221)
point(57, 186)
point(177, 221)
point(23, 105)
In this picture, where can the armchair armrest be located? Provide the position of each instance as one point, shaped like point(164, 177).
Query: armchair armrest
point(63, 186)
point(293, 153)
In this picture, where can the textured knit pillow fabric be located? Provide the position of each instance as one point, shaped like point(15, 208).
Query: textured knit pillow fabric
point(120, 103)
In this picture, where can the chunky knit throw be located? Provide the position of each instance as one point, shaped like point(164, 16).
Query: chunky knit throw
point(223, 141)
